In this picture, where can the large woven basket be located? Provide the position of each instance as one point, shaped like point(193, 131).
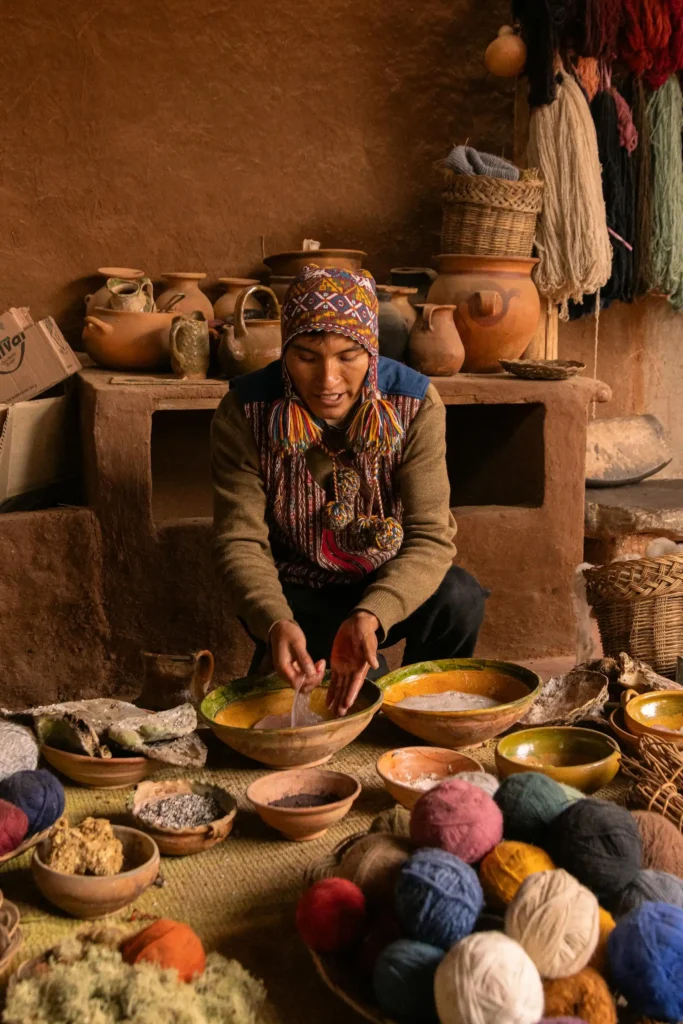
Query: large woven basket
point(485, 216)
point(639, 608)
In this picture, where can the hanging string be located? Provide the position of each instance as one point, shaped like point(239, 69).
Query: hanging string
point(665, 112)
point(643, 188)
point(544, 26)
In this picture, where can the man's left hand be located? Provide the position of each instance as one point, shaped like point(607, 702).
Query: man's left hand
point(353, 652)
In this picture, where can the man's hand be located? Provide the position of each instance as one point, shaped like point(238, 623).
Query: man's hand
point(353, 652)
point(291, 660)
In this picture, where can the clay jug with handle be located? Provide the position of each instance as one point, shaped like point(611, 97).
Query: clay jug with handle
point(173, 679)
point(134, 296)
point(189, 345)
point(435, 347)
point(250, 344)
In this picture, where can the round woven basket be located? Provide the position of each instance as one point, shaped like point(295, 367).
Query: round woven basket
point(639, 608)
point(485, 216)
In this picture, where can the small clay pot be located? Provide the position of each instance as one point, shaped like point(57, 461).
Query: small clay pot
point(98, 772)
point(250, 344)
point(102, 295)
point(119, 339)
point(137, 296)
point(401, 300)
point(225, 306)
point(183, 842)
point(393, 332)
point(185, 285)
point(303, 823)
point(398, 768)
point(435, 347)
point(420, 278)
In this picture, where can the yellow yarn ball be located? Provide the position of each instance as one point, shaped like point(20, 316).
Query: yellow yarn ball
point(599, 959)
point(504, 869)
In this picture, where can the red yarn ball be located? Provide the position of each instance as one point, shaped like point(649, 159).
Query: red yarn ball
point(458, 817)
point(13, 827)
point(330, 916)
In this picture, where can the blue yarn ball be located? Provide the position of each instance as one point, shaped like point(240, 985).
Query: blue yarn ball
point(571, 792)
point(438, 898)
point(529, 801)
point(39, 794)
point(403, 981)
point(645, 956)
point(649, 886)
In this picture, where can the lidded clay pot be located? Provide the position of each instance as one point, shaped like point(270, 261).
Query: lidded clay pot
point(225, 306)
point(102, 295)
point(250, 344)
point(193, 298)
point(435, 348)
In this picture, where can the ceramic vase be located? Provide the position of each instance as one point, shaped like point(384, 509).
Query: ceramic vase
point(136, 296)
point(435, 347)
point(250, 344)
point(191, 296)
point(189, 345)
point(420, 278)
point(102, 295)
point(393, 332)
point(497, 306)
point(225, 306)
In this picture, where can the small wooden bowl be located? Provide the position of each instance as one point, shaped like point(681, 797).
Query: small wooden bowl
point(656, 714)
point(398, 769)
point(582, 758)
point(182, 842)
point(88, 896)
point(98, 772)
point(303, 823)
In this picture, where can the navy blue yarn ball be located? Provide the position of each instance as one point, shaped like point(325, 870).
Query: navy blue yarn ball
point(598, 843)
point(39, 794)
point(649, 886)
point(529, 801)
point(438, 898)
point(403, 981)
point(645, 956)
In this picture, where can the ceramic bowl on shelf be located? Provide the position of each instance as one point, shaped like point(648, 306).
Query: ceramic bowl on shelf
point(91, 896)
point(514, 688)
point(401, 770)
point(182, 842)
point(658, 714)
point(98, 772)
point(303, 823)
point(582, 758)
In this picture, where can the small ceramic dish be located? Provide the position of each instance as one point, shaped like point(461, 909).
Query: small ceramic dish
point(658, 714)
point(90, 896)
point(582, 758)
point(303, 823)
point(27, 844)
point(182, 842)
point(400, 769)
point(543, 369)
point(626, 740)
point(98, 772)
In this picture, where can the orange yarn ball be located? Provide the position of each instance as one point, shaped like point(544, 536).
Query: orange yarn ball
point(584, 995)
point(168, 944)
point(503, 870)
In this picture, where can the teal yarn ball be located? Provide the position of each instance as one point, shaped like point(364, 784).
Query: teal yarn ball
point(645, 957)
point(403, 981)
point(649, 887)
point(572, 793)
point(438, 898)
point(530, 802)
point(39, 794)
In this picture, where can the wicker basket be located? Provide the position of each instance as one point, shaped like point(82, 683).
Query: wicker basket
point(639, 608)
point(490, 216)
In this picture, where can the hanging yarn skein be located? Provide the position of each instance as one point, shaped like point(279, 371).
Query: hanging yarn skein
point(642, 250)
point(665, 113)
point(572, 239)
point(544, 24)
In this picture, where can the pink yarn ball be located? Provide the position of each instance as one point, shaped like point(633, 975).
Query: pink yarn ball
point(458, 817)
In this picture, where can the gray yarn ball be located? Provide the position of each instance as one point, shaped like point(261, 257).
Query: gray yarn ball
point(18, 749)
point(649, 887)
point(484, 780)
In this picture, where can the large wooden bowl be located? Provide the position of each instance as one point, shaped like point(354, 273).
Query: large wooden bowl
point(516, 687)
point(98, 772)
point(244, 702)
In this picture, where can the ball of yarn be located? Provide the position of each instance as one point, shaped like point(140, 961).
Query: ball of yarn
point(599, 959)
point(13, 827)
point(529, 802)
point(170, 944)
point(39, 794)
point(395, 820)
point(662, 842)
point(487, 979)
point(598, 843)
point(556, 920)
point(438, 898)
point(484, 780)
point(18, 749)
point(585, 993)
point(571, 792)
point(645, 955)
point(504, 869)
point(403, 981)
point(373, 863)
point(330, 915)
point(457, 817)
point(649, 886)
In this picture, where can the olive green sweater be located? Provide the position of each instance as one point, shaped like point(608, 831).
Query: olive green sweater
point(400, 586)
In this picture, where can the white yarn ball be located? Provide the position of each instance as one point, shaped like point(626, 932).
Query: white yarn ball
point(18, 749)
point(484, 780)
point(556, 920)
point(488, 979)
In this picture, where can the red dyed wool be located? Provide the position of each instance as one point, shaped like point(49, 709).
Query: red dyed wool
point(330, 915)
point(13, 827)
point(458, 817)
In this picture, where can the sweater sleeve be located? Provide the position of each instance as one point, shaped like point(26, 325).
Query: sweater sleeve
point(240, 528)
point(406, 581)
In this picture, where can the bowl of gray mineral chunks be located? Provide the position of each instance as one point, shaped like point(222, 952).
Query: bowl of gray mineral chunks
point(183, 817)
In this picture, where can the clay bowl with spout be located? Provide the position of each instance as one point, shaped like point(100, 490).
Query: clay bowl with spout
point(182, 842)
point(120, 339)
point(289, 264)
point(513, 687)
point(232, 711)
point(303, 823)
point(400, 770)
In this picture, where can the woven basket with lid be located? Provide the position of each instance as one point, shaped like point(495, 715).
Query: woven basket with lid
point(485, 216)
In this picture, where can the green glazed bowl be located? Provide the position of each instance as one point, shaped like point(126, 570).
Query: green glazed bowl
point(582, 758)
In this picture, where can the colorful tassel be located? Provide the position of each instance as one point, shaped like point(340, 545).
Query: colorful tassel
point(376, 427)
point(338, 515)
point(388, 534)
point(347, 483)
point(291, 427)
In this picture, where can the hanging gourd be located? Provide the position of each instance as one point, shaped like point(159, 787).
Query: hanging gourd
point(505, 57)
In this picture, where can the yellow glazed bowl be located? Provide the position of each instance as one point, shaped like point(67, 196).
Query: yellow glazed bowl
point(514, 686)
point(232, 711)
point(658, 714)
point(398, 769)
point(582, 758)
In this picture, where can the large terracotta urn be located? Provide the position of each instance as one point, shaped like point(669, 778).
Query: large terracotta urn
point(250, 344)
point(496, 306)
point(435, 347)
point(183, 294)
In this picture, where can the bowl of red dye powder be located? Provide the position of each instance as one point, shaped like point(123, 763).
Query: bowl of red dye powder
point(303, 803)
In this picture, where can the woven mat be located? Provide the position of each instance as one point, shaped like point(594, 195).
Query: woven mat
point(239, 895)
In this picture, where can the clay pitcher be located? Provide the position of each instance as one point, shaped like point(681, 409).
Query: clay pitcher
point(250, 344)
point(435, 347)
point(102, 296)
point(173, 679)
point(189, 345)
point(134, 296)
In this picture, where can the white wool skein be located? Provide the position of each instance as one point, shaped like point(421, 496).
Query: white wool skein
point(556, 920)
point(484, 780)
point(488, 979)
point(18, 749)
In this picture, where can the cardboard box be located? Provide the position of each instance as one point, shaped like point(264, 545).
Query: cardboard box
point(33, 356)
point(39, 451)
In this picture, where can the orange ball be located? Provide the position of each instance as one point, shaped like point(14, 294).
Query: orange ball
point(168, 944)
point(505, 57)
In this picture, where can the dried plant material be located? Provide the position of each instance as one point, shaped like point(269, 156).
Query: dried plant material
point(133, 733)
point(89, 849)
point(657, 775)
point(187, 752)
point(570, 698)
point(631, 674)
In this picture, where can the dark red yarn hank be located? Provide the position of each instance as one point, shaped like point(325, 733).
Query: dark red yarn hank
point(602, 20)
point(645, 41)
point(546, 30)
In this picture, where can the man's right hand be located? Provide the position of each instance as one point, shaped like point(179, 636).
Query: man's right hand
point(290, 658)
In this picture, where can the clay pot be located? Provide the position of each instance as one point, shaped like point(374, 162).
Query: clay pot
point(121, 340)
point(102, 295)
point(420, 278)
point(303, 823)
point(401, 300)
point(497, 306)
point(289, 264)
point(435, 347)
point(98, 772)
point(279, 285)
point(183, 842)
point(393, 331)
point(252, 344)
point(189, 344)
point(137, 296)
point(505, 57)
point(225, 306)
point(193, 298)
point(173, 679)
